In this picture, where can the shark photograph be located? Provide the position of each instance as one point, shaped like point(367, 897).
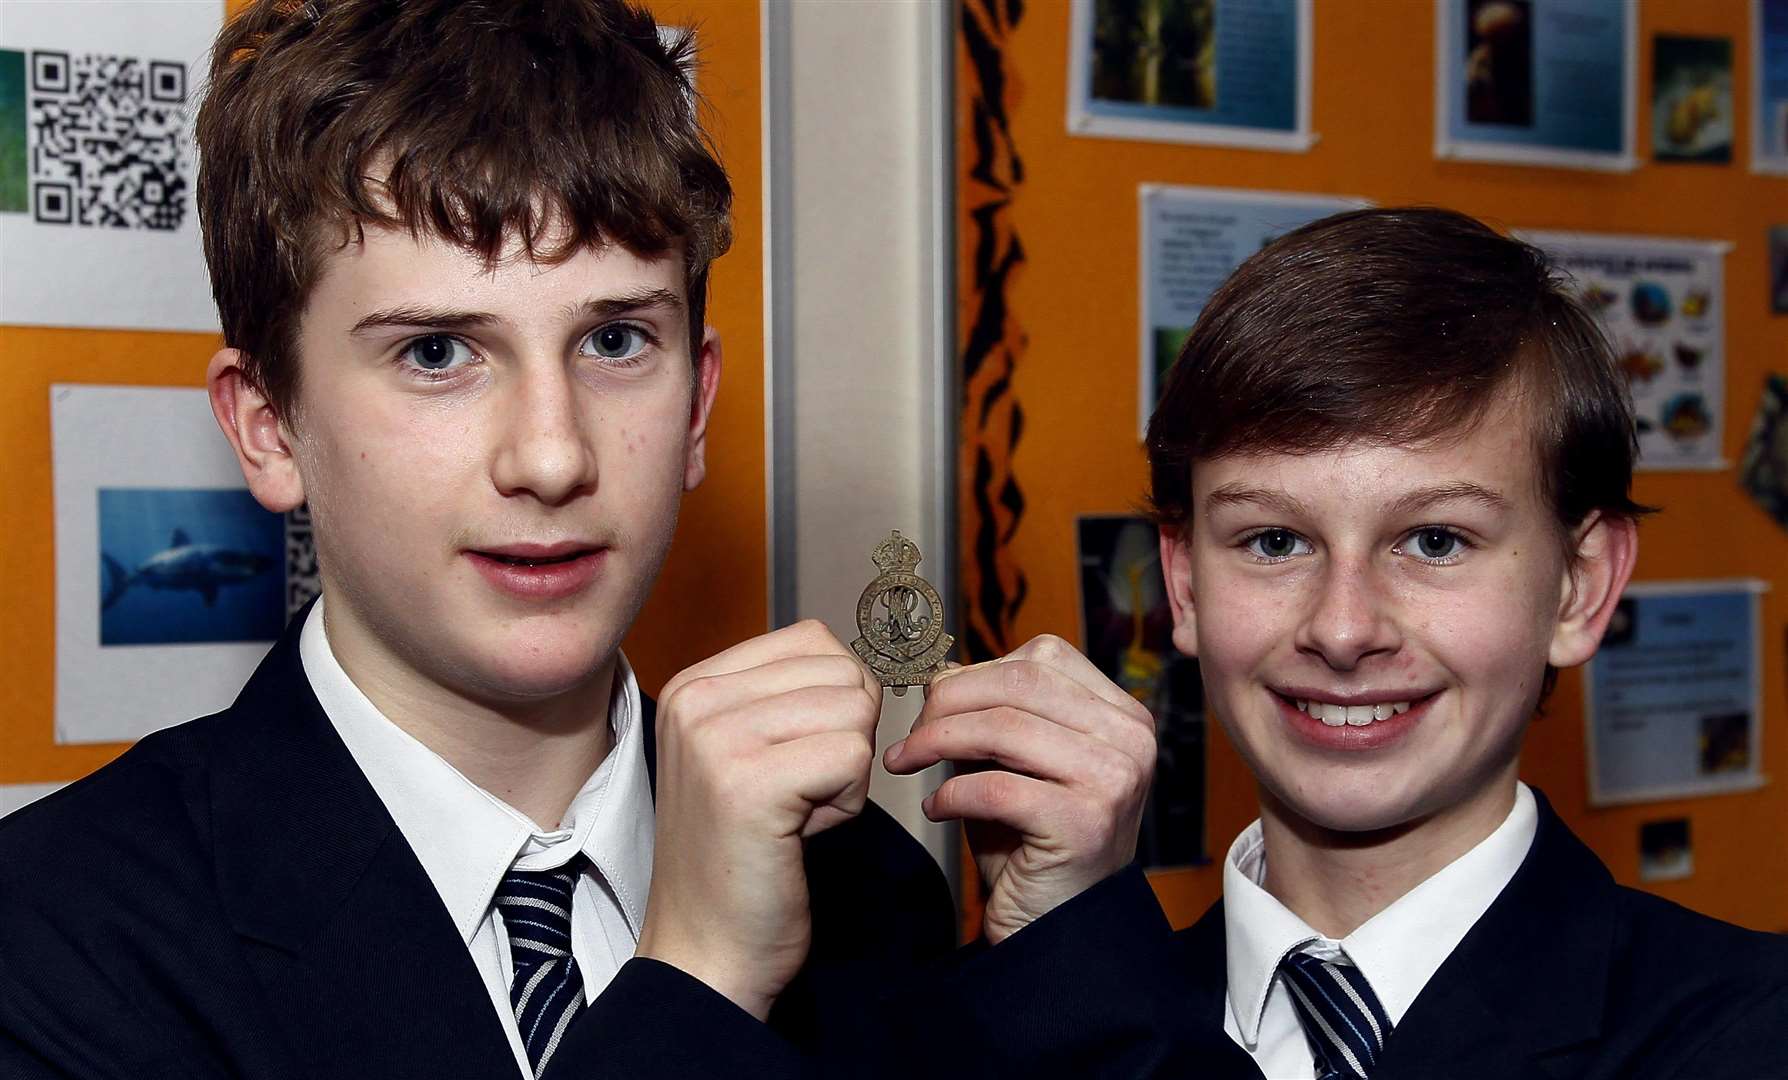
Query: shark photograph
point(189, 565)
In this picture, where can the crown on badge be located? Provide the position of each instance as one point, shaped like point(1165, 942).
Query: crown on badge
point(895, 553)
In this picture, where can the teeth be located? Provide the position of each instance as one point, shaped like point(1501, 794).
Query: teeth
point(1351, 715)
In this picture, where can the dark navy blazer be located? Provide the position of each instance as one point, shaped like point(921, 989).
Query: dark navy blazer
point(231, 899)
point(1567, 975)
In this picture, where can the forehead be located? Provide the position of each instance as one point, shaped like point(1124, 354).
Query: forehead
point(381, 266)
point(1496, 455)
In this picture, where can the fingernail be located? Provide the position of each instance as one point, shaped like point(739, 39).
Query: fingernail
point(893, 751)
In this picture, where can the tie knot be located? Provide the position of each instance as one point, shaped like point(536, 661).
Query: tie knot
point(1341, 1016)
point(536, 907)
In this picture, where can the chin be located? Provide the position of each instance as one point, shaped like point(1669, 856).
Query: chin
point(1370, 805)
point(532, 673)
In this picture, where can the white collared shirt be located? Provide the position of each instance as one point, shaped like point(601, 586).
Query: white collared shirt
point(467, 838)
point(1398, 950)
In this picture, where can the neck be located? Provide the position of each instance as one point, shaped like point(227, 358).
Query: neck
point(1335, 881)
point(534, 755)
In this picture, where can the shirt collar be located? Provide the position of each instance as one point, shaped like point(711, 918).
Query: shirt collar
point(467, 838)
point(1398, 950)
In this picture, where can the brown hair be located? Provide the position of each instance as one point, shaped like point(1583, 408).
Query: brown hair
point(1396, 326)
point(565, 124)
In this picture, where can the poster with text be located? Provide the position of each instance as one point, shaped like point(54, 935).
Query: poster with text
point(1673, 701)
point(171, 581)
point(1662, 303)
point(1223, 72)
point(1544, 82)
point(1769, 86)
point(97, 170)
point(1193, 238)
point(1127, 632)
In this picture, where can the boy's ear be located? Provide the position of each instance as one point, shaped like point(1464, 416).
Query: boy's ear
point(1607, 547)
point(255, 433)
point(1176, 567)
point(701, 407)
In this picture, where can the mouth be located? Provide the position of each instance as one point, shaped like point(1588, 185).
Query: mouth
point(1364, 720)
point(1335, 715)
point(539, 571)
point(537, 554)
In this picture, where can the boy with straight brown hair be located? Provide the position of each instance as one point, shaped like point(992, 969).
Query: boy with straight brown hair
point(1391, 469)
point(460, 250)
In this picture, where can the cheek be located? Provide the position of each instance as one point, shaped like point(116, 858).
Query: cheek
point(1240, 624)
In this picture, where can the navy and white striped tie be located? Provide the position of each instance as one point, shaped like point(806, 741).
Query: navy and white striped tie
point(547, 991)
point(1342, 1018)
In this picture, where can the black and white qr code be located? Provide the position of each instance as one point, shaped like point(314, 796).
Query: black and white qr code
point(109, 143)
point(303, 578)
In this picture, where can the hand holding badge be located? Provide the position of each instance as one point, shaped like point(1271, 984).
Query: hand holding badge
point(901, 619)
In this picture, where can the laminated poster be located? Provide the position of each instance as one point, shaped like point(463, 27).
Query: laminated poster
point(1193, 238)
point(1673, 701)
point(97, 223)
point(1221, 72)
point(1542, 82)
point(1662, 303)
point(1127, 632)
point(1769, 86)
point(171, 581)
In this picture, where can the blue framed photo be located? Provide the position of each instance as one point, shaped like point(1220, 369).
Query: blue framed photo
point(188, 566)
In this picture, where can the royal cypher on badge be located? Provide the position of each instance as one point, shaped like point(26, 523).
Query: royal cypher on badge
point(901, 619)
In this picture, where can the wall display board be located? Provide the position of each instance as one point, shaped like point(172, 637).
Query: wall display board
point(1126, 629)
point(1542, 82)
point(1673, 702)
point(96, 164)
point(1662, 303)
point(1222, 72)
point(1769, 86)
point(1192, 238)
point(123, 459)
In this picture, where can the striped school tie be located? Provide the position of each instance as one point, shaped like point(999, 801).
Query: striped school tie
point(547, 991)
point(1342, 1018)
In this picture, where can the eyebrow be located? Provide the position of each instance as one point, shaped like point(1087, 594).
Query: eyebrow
point(1237, 494)
point(600, 308)
point(1459, 491)
point(1421, 499)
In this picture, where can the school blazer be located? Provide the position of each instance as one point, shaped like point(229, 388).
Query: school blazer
point(1567, 975)
point(231, 899)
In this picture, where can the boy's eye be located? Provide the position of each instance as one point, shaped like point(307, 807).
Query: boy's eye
point(1277, 544)
point(1436, 543)
point(617, 341)
point(438, 352)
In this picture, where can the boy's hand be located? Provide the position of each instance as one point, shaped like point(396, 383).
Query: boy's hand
point(1071, 756)
point(767, 743)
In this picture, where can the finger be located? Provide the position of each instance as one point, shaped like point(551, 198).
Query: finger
point(1056, 653)
point(790, 716)
point(809, 637)
point(708, 695)
point(828, 773)
point(1043, 691)
point(1023, 743)
point(1031, 807)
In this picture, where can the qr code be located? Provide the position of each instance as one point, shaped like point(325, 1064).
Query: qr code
point(109, 144)
point(303, 582)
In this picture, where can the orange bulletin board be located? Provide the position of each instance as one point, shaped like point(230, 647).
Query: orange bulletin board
point(713, 591)
point(1048, 286)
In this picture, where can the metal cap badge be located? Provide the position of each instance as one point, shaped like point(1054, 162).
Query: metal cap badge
point(901, 619)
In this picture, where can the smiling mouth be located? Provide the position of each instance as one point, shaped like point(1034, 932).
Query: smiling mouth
point(1335, 714)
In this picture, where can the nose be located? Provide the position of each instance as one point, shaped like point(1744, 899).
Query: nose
point(545, 448)
point(1349, 618)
